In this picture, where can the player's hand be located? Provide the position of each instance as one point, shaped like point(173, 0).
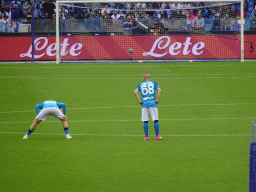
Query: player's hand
point(141, 102)
point(156, 101)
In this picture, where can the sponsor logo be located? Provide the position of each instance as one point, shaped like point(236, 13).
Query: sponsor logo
point(42, 48)
point(175, 48)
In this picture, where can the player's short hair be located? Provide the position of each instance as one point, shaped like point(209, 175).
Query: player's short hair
point(146, 74)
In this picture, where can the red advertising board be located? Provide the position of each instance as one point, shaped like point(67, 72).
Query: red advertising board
point(115, 47)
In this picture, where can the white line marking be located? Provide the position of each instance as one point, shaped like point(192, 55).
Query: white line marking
point(208, 104)
point(180, 105)
point(17, 111)
point(126, 120)
point(138, 106)
point(125, 78)
point(130, 76)
point(124, 135)
point(166, 74)
point(106, 65)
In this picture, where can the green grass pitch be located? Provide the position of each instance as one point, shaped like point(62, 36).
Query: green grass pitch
point(205, 114)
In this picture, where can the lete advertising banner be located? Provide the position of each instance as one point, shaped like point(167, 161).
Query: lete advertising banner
point(115, 47)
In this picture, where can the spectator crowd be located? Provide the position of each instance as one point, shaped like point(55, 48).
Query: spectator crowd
point(155, 17)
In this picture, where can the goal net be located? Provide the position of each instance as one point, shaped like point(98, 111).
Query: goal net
point(146, 31)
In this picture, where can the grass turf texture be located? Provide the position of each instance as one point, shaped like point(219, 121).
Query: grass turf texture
point(205, 114)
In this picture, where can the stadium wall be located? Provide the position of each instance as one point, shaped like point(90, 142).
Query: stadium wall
point(115, 47)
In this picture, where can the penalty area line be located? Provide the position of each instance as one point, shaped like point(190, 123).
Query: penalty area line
point(98, 78)
point(138, 106)
point(124, 135)
point(134, 120)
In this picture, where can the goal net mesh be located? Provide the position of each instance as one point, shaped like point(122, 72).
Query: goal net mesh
point(149, 31)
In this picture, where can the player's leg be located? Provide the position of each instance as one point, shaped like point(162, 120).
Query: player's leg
point(157, 128)
point(34, 124)
point(145, 128)
point(145, 118)
point(64, 120)
point(40, 117)
point(32, 127)
point(154, 115)
point(59, 115)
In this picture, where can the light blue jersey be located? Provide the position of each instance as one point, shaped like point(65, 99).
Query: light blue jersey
point(50, 104)
point(148, 95)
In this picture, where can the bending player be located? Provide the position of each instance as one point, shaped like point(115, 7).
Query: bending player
point(149, 104)
point(50, 108)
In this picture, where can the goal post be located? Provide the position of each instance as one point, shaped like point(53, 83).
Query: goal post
point(91, 30)
point(57, 34)
point(242, 31)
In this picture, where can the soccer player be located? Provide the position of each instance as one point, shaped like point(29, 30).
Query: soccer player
point(149, 103)
point(50, 108)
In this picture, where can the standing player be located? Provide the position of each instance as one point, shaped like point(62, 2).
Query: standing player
point(50, 108)
point(149, 103)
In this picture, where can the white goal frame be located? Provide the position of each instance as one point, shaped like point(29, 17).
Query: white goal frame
point(142, 1)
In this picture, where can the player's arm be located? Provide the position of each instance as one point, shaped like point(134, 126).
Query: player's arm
point(136, 93)
point(159, 92)
point(63, 106)
point(38, 106)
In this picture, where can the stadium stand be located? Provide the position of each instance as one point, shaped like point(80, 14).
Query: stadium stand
point(106, 17)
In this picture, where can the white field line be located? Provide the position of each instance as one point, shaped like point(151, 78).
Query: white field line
point(180, 105)
point(17, 111)
point(124, 135)
point(167, 74)
point(105, 65)
point(135, 75)
point(137, 106)
point(125, 78)
point(132, 120)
